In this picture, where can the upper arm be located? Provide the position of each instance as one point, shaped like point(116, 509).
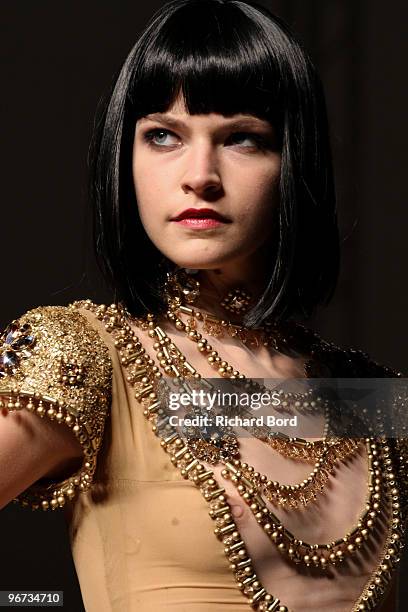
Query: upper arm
point(32, 448)
point(55, 390)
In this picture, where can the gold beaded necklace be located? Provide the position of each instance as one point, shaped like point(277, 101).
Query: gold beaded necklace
point(297, 550)
point(320, 555)
point(143, 374)
point(328, 454)
point(293, 496)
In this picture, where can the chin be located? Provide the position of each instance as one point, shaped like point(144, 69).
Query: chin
point(207, 259)
point(196, 263)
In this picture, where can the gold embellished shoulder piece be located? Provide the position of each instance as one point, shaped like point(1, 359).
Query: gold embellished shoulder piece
point(55, 364)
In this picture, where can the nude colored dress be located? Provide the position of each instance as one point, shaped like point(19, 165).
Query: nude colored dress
point(142, 539)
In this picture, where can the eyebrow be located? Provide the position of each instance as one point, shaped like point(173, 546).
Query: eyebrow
point(244, 122)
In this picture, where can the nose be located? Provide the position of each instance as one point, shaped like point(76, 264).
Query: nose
point(202, 175)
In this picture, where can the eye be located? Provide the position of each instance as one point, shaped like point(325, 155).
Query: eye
point(248, 139)
point(159, 137)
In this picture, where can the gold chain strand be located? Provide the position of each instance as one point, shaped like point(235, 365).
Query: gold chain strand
point(115, 319)
point(299, 494)
point(300, 449)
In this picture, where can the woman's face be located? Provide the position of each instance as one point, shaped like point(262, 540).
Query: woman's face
point(229, 166)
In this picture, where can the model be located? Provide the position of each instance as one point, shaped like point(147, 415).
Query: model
point(216, 229)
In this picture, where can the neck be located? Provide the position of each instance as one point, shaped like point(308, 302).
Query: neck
point(215, 285)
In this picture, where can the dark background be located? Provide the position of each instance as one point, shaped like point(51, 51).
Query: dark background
point(58, 58)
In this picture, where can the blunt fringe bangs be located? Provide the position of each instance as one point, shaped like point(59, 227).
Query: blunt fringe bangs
point(224, 57)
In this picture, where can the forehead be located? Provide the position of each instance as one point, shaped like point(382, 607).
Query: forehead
point(177, 115)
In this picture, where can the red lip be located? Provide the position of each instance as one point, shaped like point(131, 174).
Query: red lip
point(200, 213)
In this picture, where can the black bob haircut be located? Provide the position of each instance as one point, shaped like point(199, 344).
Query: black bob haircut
point(227, 57)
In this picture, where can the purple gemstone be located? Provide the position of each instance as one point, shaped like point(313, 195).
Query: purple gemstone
point(8, 359)
point(11, 333)
point(23, 341)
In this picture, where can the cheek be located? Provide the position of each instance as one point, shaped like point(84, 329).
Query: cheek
point(140, 180)
point(260, 197)
point(147, 190)
point(268, 180)
point(260, 194)
point(144, 186)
